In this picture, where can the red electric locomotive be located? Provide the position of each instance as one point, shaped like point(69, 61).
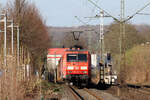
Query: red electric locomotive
point(75, 66)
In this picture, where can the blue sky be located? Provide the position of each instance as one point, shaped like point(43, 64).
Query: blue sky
point(62, 12)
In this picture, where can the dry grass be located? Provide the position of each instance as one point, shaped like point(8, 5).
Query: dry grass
point(137, 70)
point(138, 65)
point(12, 78)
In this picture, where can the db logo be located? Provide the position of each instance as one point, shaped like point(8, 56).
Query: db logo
point(76, 68)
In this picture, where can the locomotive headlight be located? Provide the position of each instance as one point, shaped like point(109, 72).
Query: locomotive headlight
point(69, 72)
point(70, 67)
point(85, 72)
point(83, 67)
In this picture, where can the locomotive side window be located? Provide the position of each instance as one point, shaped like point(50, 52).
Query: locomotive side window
point(76, 58)
point(82, 57)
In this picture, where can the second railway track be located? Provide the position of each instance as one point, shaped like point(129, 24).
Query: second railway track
point(145, 91)
point(93, 94)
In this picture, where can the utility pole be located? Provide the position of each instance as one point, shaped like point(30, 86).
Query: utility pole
point(101, 44)
point(122, 39)
point(55, 69)
point(5, 39)
point(5, 49)
point(102, 35)
point(1, 83)
point(12, 36)
point(18, 45)
point(122, 27)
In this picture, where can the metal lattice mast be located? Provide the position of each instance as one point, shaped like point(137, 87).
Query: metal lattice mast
point(89, 41)
point(122, 24)
point(102, 34)
point(122, 37)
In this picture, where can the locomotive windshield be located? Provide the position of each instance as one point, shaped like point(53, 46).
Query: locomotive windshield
point(71, 57)
point(76, 57)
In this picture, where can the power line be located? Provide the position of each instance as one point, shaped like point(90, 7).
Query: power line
point(137, 12)
point(122, 22)
point(80, 20)
point(93, 10)
point(103, 10)
point(143, 14)
point(125, 20)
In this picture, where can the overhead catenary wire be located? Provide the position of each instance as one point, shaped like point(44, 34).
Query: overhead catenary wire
point(89, 41)
point(125, 20)
point(103, 10)
point(93, 10)
point(137, 12)
point(122, 22)
point(143, 14)
point(81, 20)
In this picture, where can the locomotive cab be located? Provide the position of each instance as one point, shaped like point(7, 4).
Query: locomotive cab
point(76, 66)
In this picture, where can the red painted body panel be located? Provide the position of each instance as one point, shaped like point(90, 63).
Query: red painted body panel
point(75, 65)
point(54, 55)
point(57, 51)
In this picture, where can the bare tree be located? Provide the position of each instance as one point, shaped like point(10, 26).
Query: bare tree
point(113, 35)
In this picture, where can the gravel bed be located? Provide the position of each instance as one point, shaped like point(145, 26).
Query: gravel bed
point(66, 95)
point(104, 95)
point(85, 95)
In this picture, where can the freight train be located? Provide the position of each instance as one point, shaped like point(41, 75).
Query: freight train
point(74, 66)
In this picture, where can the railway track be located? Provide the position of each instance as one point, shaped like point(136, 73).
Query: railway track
point(77, 95)
point(93, 94)
point(142, 90)
point(139, 89)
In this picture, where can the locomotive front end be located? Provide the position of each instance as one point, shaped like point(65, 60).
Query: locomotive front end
point(78, 67)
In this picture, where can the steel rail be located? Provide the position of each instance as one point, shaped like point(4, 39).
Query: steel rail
point(144, 91)
point(93, 94)
point(139, 88)
point(74, 93)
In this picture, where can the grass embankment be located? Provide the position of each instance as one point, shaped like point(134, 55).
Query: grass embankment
point(137, 69)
